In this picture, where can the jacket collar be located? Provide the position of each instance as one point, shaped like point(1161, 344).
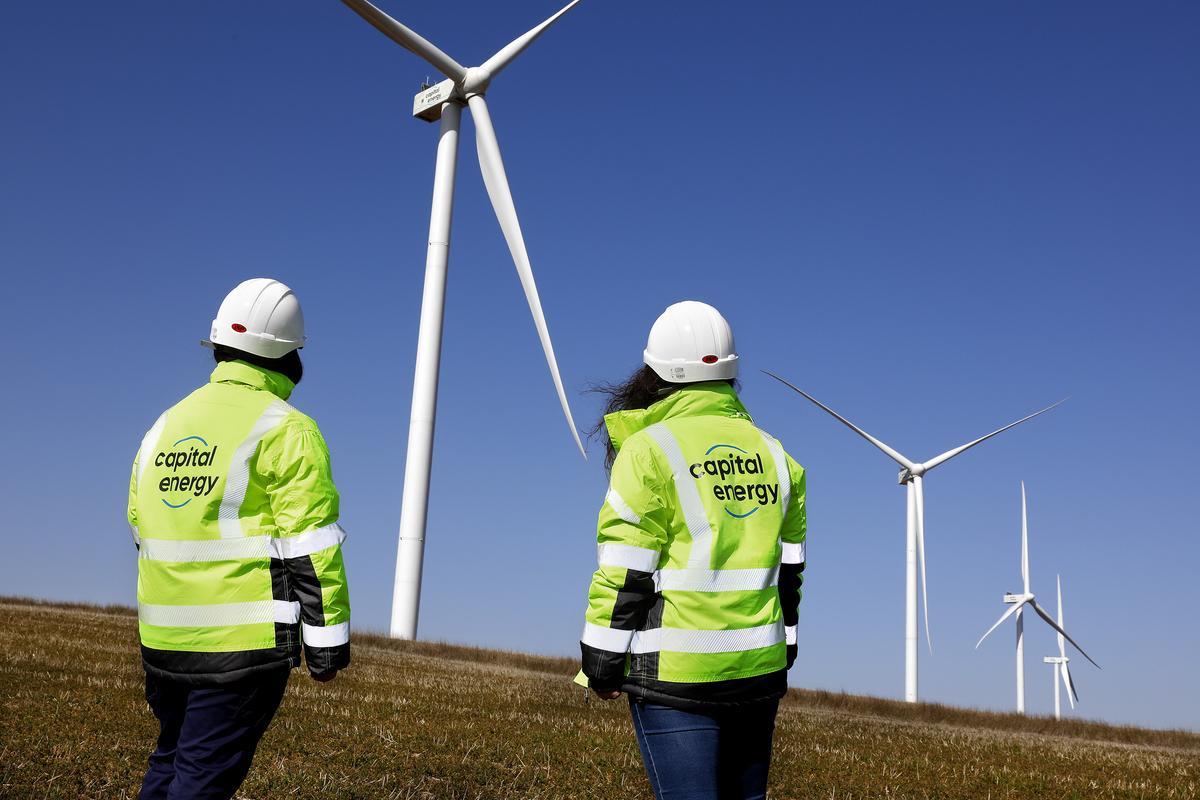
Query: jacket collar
point(708, 399)
point(254, 377)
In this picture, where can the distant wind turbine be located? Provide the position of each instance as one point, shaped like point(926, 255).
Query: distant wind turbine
point(1018, 603)
point(445, 101)
point(911, 476)
point(1059, 664)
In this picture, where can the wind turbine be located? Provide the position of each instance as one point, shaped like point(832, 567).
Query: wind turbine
point(445, 101)
point(1018, 603)
point(912, 476)
point(1059, 664)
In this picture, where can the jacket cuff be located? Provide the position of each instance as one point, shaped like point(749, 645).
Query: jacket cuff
point(326, 647)
point(604, 669)
point(327, 659)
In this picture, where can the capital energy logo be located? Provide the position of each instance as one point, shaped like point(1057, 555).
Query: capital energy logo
point(188, 458)
point(728, 464)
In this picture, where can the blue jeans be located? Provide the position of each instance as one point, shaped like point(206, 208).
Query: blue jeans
point(207, 735)
point(719, 755)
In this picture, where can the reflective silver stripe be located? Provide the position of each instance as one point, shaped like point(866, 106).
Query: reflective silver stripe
point(628, 556)
point(219, 614)
point(781, 472)
point(689, 497)
point(717, 580)
point(793, 552)
point(238, 477)
point(181, 551)
point(789, 634)
point(309, 542)
point(147, 448)
point(611, 639)
point(677, 640)
point(136, 540)
point(621, 507)
point(287, 612)
point(325, 636)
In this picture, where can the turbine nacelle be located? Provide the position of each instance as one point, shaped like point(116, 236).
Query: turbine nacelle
point(1010, 598)
point(429, 102)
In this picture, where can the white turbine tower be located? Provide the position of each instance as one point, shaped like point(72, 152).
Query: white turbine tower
point(444, 101)
point(911, 476)
point(1059, 665)
point(1018, 603)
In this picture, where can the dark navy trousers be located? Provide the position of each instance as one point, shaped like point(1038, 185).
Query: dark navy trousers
point(722, 755)
point(208, 735)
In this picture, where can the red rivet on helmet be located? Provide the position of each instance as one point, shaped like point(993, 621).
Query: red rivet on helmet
point(710, 359)
point(240, 328)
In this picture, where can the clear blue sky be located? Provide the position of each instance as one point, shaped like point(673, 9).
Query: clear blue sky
point(934, 217)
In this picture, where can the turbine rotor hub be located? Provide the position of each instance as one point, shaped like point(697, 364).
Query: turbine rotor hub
point(476, 81)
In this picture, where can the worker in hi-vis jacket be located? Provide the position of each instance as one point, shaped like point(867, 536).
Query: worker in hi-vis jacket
point(235, 516)
point(693, 609)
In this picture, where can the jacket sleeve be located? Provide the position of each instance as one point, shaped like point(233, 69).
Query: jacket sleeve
point(631, 535)
point(304, 503)
point(144, 452)
point(791, 568)
point(131, 509)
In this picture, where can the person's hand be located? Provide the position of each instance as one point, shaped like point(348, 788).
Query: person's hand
point(613, 695)
point(324, 677)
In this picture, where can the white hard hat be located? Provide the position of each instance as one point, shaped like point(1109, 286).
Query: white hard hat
point(691, 342)
point(260, 316)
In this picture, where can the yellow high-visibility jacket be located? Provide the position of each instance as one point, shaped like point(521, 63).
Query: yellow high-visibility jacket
point(701, 549)
point(235, 515)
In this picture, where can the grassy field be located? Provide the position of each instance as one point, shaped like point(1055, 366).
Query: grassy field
point(439, 721)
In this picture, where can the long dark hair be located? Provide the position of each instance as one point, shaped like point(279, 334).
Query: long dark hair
point(640, 390)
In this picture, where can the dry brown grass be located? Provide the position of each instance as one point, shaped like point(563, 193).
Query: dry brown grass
point(429, 720)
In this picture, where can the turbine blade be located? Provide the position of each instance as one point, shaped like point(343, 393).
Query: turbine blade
point(949, 454)
point(1041, 612)
point(895, 456)
point(919, 488)
point(510, 51)
point(1065, 672)
point(496, 182)
point(1012, 610)
point(1024, 540)
point(408, 39)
